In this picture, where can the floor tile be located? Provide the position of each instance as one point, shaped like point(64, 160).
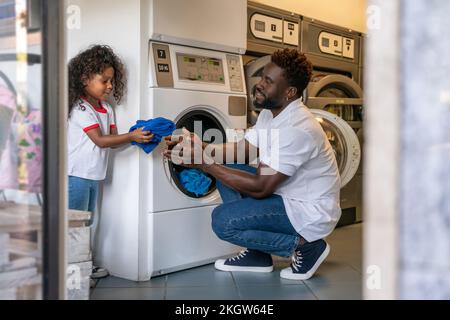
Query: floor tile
point(200, 277)
point(330, 272)
point(336, 291)
point(339, 277)
point(260, 279)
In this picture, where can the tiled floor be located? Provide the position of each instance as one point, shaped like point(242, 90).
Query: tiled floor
point(339, 277)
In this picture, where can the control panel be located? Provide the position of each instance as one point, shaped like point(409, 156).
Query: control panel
point(266, 27)
point(163, 65)
point(235, 73)
point(200, 68)
point(182, 67)
point(274, 29)
point(290, 32)
point(336, 45)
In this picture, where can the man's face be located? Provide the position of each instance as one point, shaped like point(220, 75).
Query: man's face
point(270, 90)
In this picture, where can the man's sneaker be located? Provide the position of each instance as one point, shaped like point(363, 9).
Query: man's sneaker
point(305, 261)
point(247, 260)
point(99, 272)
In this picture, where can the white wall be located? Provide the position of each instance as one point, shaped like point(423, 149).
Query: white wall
point(345, 13)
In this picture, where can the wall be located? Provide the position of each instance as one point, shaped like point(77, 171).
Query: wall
point(345, 13)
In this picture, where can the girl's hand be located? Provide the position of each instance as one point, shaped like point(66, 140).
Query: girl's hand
point(141, 136)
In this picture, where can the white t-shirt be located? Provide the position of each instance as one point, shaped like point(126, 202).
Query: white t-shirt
point(86, 159)
point(295, 144)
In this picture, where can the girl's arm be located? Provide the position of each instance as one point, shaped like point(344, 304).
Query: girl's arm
point(114, 139)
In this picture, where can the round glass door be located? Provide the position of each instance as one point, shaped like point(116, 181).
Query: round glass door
point(344, 141)
point(336, 94)
point(192, 121)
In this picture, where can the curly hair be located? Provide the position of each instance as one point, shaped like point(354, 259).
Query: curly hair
point(94, 61)
point(297, 68)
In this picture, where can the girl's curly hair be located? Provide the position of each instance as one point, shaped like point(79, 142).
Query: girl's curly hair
point(94, 61)
point(297, 68)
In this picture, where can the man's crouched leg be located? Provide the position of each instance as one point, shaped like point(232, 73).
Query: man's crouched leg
point(249, 260)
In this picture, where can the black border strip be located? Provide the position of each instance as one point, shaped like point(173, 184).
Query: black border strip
point(51, 81)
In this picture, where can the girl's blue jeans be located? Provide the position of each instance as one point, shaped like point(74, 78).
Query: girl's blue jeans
point(259, 224)
point(82, 194)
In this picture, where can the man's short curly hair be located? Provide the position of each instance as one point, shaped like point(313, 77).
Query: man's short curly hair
point(93, 61)
point(296, 66)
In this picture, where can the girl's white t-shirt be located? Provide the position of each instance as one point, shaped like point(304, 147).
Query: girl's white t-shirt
point(295, 144)
point(85, 159)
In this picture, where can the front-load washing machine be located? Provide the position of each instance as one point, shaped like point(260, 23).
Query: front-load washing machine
point(203, 91)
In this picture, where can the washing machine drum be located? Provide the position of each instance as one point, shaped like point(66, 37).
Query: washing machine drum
point(193, 121)
point(253, 72)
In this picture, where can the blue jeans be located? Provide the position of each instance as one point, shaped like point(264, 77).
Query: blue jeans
point(82, 194)
point(259, 224)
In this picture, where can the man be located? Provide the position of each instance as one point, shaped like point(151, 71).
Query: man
point(290, 203)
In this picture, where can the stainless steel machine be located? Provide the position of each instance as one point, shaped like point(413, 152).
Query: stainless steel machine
point(334, 94)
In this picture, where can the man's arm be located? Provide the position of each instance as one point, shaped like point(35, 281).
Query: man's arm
point(255, 185)
point(259, 185)
point(232, 152)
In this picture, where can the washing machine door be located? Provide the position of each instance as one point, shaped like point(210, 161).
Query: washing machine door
point(253, 72)
point(205, 121)
point(344, 141)
point(336, 94)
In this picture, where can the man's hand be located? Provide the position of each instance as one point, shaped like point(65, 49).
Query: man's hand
point(187, 150)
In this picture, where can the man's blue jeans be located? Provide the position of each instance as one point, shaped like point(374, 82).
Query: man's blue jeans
point(259, 224)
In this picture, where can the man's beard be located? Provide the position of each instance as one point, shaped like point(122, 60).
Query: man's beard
point(267, 103)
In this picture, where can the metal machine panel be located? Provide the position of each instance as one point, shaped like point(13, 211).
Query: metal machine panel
point(270, 29)
point(291, 32)
point(266, 27)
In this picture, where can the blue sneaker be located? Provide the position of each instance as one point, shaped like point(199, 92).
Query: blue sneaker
point(305, 261)
point(247, 260)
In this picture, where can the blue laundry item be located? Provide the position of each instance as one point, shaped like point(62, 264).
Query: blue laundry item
point(160, 127)
point(195, 181)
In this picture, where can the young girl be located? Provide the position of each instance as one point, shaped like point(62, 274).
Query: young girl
point(94, 75)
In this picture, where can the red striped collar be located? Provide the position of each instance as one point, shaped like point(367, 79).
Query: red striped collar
point(102, 109)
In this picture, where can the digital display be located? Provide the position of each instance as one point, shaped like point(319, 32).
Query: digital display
point(189, 59)
point(200, 68)
point(325, 42)
point(291, 26)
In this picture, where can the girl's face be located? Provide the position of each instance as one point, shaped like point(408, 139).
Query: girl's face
point(99, 86)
